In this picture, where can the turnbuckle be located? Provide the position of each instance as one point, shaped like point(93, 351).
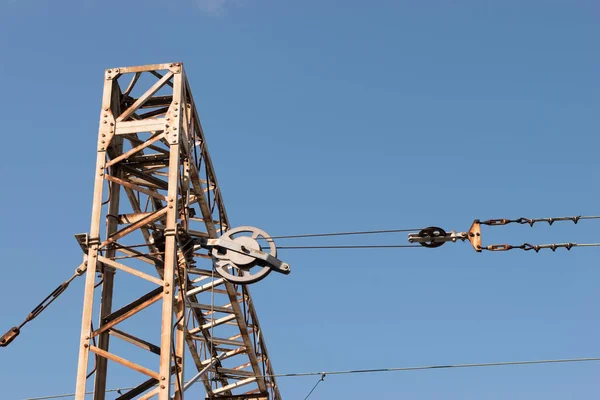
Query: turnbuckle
point(9, 336)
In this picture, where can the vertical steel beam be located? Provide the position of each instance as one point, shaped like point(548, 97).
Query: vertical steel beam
point(108, 273)
point(173, 137)
point(106, 126)
point(180, 345)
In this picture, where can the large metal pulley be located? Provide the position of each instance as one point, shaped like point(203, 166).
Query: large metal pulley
point(245, 255)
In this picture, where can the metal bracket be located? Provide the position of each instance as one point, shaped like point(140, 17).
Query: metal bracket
point(175, 67)
point(107, 128)
point(475, 235)
point(112, 73)
point(83, 241)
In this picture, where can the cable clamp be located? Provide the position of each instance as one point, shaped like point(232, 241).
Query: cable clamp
point(170, 232)
point(92, 241)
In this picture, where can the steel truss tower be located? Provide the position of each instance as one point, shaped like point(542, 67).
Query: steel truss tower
point(155, 193)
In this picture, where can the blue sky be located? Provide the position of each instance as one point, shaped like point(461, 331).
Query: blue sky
point(332, 116)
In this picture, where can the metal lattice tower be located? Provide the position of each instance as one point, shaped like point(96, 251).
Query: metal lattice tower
point(156, 193)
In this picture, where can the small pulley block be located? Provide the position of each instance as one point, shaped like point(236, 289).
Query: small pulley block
point(435, 237)
point(239, 257)
point(432, 237)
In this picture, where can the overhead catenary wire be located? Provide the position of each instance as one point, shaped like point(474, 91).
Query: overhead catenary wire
point(305, 235)
point(372, 232)
point(503, 221)
point(13, 332)
point(449, 366)
point(375, 370)
point(330, 234)
point(383, 246)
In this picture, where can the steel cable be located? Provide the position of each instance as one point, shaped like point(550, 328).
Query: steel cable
point(341, 233)
point(314, 387)
point(383, 246)
point(377, 370)
point(426, 367)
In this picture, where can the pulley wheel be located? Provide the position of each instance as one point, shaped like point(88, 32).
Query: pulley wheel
point(432, 232)
point(238, 267)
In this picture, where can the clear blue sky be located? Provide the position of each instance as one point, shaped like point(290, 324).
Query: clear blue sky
point(351, 115)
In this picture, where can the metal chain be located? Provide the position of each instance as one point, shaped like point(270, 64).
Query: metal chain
point(13, 332)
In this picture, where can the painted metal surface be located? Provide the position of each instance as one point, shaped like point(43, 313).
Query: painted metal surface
point(155, 195)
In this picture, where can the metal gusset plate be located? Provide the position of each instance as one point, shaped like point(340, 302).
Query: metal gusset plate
point(239, 257)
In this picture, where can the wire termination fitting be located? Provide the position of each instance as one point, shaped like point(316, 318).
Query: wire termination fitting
point(9, 336)
point(435, 237)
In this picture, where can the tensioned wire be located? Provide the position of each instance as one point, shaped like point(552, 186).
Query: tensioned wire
point(309, 235)
point(556, 219)
point(330, 234)
point(383, 246)
point(373, 232)
point(376, 370)
point(314, 387)
point(343, 233)
point(399, 246)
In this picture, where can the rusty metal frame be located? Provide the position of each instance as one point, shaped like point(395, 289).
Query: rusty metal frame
point(154, 168)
